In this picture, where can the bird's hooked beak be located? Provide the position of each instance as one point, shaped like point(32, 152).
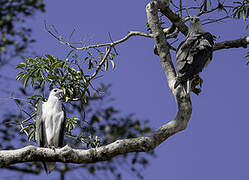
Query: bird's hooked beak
point(196, 20)
point(60, 94)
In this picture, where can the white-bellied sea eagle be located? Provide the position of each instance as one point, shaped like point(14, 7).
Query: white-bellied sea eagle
point(192, 55)
point(50, 124)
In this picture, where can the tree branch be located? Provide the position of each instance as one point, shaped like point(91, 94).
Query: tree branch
point(237, 43)
point(174, 18)
point(24, 170)
point(179, 23)
point(140, 144)
point(130, 34)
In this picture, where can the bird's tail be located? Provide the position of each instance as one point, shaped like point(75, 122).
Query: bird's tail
point(49, 166)
point(188, 88)
point(185, 84)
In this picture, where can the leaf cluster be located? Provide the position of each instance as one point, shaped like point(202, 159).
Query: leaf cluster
point(73, 75)
point(241, 9)
point(68, 74)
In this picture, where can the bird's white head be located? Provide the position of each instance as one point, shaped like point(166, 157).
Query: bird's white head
point(194, 20)
point(56, 93)
point(195, 24)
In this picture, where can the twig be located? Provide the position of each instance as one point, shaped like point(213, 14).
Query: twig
point(24, 170)
point(130, 34)
point(14, 98)
point(206, 12)
point(101, 63)
point(214, 20)
point(26, 120)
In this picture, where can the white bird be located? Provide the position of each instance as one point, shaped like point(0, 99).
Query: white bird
point(192, 55)
point(50, 124)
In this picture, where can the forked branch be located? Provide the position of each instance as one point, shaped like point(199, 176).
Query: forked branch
point(140, 144)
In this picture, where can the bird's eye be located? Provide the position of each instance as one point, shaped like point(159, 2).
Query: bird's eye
point(55, 90)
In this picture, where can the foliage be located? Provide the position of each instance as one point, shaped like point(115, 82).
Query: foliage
point(247, 56)
point(15, 36)
point(241, 10)
point(68, 74)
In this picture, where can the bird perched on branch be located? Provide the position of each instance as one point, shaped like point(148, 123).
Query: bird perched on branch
point(192, 55)
point(50, 124)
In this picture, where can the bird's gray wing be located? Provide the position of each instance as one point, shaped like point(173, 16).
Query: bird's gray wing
point(41, 134)
point(39, 126)
point(62, 128)
point(193, 54)
point(202, 52)
point(184, 57)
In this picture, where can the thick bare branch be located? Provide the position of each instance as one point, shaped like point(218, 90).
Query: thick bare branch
point(184, 107)
point(237, 43)
point(175, 19)
point(67, 154)
point(160, 41)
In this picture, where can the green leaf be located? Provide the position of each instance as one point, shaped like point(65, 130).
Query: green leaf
point(32, 82)
point(69, 53)
point(146, 130)
point(113, 64)
point(24, 129)
point(20, 75)
point(244, 13)
point(31, 134)
point(57, 64)
point(90, 54)
point(88, 92)
point(90, 64)
point(67, 99)
point(25, 80)
point(20, 66)
point(49, 57)
point(52, 77)
point(106, 64)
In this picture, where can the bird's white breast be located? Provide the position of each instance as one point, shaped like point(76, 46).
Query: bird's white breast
point(53, 116)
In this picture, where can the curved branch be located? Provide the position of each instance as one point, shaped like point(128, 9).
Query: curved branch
point(140, 144)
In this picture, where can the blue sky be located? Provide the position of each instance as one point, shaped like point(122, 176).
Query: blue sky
point(215, 144)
